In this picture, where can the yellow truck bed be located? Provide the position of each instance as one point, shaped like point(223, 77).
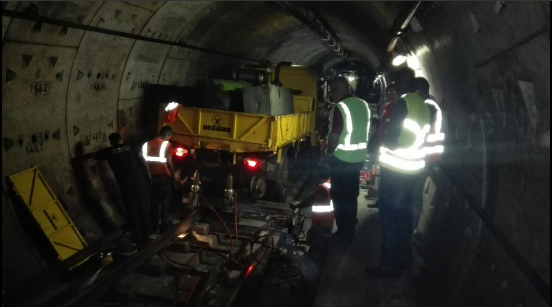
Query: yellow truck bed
point(239, 132)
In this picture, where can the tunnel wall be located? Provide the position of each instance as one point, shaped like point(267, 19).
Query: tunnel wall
point(489, 65)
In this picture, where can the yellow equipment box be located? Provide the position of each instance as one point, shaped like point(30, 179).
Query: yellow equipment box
point(304, 79)
point(48, 212)
point(239, 132)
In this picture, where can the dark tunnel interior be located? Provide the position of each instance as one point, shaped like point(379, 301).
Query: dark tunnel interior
point(73, 72)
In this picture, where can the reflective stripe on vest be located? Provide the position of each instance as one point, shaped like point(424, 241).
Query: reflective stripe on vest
point(349, 142)
point(438, 120)
point(435, 138)
point(324, 208)
point(407, 159)
point(432, 150)
point(161, 158)
point(410, 160)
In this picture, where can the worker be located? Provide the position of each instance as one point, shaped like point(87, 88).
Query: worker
point(402, 162)
point(157, 153)
point(321, 228)
point(346, 153)
point(434, 146)
point(320, 200)
point(391, 96)
point(132, 175)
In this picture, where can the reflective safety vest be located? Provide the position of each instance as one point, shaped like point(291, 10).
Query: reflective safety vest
point(409, 158)
point(434, 146)
point(323, 213)
point(157, 164)
point(356, 130)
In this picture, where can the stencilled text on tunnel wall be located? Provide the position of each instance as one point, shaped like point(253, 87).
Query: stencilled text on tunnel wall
point(40, 88)
point(96, 87)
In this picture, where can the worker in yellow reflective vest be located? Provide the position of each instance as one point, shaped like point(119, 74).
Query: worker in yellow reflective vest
point(434, 145)
point(347, 151)
point(402, 160)
point(157, 154)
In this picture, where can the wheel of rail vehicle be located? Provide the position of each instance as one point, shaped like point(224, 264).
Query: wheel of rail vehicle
point(282, 183)
point(258, 187)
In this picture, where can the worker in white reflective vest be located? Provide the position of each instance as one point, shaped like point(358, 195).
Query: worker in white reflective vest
point(157, 154)
point(318, 234)
point(402, 161)
point(434, 145)
point(347, 151)
point(320, 200)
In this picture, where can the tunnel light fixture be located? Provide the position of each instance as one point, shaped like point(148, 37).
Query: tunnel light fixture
point(413, 62)
point(399, 60)
point(171, 106)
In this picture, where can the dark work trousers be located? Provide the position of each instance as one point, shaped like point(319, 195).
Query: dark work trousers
point(312, 263)
point(161, 188)
point(398, 193)
point(135, 196)
point(344, 192)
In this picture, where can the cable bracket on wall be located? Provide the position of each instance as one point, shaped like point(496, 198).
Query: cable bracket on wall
point(310, 17)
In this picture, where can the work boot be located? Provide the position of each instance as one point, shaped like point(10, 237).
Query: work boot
point(383, 271)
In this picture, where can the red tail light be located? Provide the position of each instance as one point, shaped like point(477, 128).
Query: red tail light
point(252, 163)
point(249, 270)
point(180, 152)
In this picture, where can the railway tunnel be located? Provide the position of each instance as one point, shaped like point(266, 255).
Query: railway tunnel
point(73, 72)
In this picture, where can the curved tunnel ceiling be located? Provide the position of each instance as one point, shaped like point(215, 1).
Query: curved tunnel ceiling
point(264, 30)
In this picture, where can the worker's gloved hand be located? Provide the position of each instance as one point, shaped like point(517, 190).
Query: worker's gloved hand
point(294, 204)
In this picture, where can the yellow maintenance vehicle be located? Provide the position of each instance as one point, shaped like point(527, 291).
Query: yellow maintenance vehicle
point(252, 147)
